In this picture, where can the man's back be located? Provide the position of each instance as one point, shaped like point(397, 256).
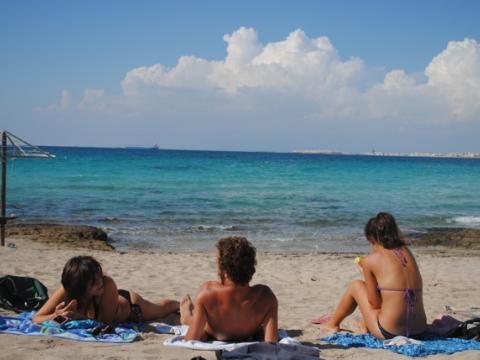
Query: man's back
point(231, 309)
point(236, 312)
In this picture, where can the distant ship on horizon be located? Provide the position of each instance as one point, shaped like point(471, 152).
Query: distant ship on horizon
point(139, 147)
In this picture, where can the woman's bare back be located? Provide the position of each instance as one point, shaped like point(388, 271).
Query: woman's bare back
point(400, 286)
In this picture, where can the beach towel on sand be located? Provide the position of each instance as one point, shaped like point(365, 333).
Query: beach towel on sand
point(269, 351)
point(405, 345)
point(80, 330)
point(295, 349)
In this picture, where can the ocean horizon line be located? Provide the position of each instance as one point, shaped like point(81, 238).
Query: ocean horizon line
point(374, 153)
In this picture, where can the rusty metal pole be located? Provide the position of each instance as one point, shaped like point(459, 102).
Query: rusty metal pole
point(3, 219)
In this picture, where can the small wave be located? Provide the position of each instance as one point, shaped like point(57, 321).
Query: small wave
point(321, 222)
point(110, 219)
point(16, 206)
point(108, 229)
point(323, 200)
point(176, 167)
point(414, 231)
point(467, 220)
point(213, 228)
point(281, 239)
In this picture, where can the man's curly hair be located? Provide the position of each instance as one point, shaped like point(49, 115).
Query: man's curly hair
point(237, 258)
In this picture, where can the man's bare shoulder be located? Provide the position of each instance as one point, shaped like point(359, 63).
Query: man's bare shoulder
point(210, 285)
point(263, 290)
point(208, 288)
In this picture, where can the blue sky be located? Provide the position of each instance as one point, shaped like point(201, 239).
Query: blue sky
point(52, 48)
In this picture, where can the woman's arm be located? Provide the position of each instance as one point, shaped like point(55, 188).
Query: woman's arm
point(109, 301)
point(55, 306)
point(371, 283)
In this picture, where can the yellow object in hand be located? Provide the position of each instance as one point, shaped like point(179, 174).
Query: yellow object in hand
point(358, 259)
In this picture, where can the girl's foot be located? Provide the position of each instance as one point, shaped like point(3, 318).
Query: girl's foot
point(360, 326)
point(321, 319)
point(329, 327)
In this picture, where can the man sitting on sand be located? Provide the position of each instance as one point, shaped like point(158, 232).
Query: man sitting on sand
point(231, 309)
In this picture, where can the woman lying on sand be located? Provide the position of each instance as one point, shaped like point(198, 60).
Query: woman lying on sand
point(87, 293)
point(390, 297)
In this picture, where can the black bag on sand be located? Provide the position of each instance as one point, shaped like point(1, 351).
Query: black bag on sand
point(469, 330)
point(20, 293)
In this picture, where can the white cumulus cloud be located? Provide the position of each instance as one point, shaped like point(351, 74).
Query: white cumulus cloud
point(297, 63)
point(311, 68)
point(299, 86)
point(455, 75)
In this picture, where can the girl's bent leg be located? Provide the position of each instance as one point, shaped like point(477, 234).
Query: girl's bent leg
point(345, 307)
point(158, 310)
point(356, 294)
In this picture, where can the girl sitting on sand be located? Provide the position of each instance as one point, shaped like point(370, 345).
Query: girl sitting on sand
point(87, 293)
point(390, 297)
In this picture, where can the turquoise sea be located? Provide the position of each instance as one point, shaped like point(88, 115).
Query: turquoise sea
point(185, 200)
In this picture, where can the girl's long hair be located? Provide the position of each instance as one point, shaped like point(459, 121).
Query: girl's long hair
point(383, 229)
point(78, 274)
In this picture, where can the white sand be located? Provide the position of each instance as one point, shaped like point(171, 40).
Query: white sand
point(306, 285)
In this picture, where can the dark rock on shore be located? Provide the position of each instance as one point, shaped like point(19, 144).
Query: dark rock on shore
point(69, 235)
point(447, 237)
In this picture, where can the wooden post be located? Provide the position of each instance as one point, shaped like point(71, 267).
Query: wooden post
point(4, 187)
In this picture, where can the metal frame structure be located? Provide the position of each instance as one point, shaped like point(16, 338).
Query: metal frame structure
point(14, 147)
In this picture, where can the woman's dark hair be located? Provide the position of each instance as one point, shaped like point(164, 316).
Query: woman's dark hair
point(78, 274)
point(383, 229)
point(237, 259)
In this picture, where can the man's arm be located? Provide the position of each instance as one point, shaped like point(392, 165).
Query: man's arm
point(271, 320)
point(196, 329)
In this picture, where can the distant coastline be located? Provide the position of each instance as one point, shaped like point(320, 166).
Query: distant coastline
point(459, 154)
point(467, 155)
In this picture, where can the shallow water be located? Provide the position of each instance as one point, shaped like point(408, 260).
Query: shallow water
point(185, 200)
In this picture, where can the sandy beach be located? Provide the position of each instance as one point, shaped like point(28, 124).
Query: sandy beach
point(142, 132)
point(306, 284)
